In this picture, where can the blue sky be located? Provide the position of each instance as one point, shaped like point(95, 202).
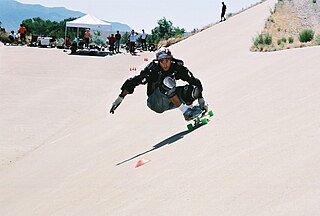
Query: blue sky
point(144, 14)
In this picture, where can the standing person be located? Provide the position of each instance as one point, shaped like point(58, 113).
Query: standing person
point(132, 42)
point(22, 31)
point(144, 40)
point(117, 43)
point(160, 76)
point(112, 40)
point(223, 12)
point(87, 38)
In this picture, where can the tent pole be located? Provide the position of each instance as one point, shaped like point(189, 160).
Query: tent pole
point(65, 35)
point(78, 34)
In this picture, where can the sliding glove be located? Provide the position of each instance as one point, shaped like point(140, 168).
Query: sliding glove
point(115, 104)
point(203, 104)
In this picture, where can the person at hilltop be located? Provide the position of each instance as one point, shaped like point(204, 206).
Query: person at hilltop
point(161, 75)
point(223, 12)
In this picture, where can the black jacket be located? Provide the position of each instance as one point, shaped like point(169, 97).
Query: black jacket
point(153, 75)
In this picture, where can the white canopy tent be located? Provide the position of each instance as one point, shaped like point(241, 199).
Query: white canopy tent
point(90, 22)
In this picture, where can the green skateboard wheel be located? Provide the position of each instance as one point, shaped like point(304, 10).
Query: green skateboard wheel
point(204, 121)
point(190, 127)
point(210, 113)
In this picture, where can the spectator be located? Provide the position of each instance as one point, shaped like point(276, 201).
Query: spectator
point(132, 40)
point(117, 43)
point(22, 31)
point(223, 12)
point(13, 37)
point(80, 44)
point(87, 38)
point(67, 43)
point(112, 41)
point(144, 40)
point(74, 47)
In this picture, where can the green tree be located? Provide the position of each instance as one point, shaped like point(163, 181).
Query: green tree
point(37, 26)
point(125, 38)
point(2, 30)
point(166, 30)
point(96, 38)
point(178, 31)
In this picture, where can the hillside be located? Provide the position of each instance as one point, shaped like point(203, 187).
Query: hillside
point(62, 153)
point(287, 20)
point(13, 12)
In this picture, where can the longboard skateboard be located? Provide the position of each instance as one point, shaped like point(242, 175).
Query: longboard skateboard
point(201, 119)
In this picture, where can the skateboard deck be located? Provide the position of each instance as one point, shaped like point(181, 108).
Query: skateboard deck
point(201, 119)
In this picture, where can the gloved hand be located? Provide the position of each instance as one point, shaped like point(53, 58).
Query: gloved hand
point(115, 104)
point(203, 104)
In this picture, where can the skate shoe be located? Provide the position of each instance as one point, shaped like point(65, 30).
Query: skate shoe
point(192, 113)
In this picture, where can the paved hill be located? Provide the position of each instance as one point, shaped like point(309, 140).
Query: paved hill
point(12, 13)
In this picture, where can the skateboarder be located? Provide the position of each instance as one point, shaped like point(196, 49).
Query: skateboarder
point(160, 75)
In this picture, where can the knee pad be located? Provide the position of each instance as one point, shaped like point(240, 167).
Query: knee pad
point(169, 86)
point(190, 93)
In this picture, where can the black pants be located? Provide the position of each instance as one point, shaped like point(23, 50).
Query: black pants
point(132, 46)
point(144, 44)
point(86, 42)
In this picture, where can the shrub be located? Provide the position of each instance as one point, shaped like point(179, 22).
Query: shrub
point(268, 39)
point(279, 41)
point(263, 39)
point(318, 39)
point(290, 39)
point(4, 39)
point(258, 40)
point(306, 35)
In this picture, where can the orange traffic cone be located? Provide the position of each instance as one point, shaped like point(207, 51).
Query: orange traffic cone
point(142, 162)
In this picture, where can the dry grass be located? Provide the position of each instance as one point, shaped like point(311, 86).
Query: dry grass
point(170, 41)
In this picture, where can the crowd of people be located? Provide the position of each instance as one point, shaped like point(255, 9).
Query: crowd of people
point(113, 42)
